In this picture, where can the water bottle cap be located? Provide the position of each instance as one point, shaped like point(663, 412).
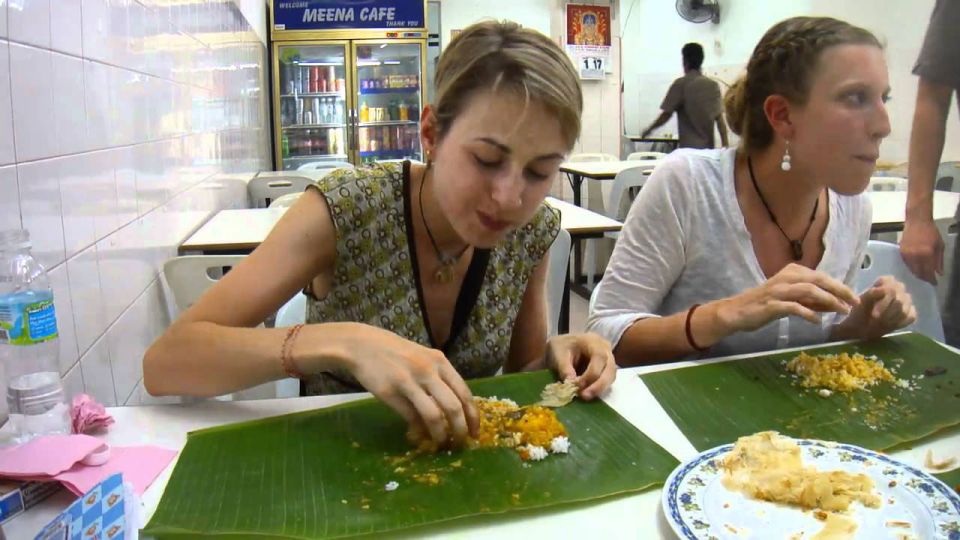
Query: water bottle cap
point(12, 239)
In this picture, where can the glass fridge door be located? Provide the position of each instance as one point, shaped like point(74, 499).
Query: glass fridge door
point(312, 110)
point(388, 87)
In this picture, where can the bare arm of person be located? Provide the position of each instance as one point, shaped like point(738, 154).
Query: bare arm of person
point(795, 290)
point(213, 349)
point(921, 245)
point(661, 120)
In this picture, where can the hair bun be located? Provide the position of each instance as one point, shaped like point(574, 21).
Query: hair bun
point(735, 105)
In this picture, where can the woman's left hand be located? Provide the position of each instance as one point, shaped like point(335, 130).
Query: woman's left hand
point(885, 307)
point(587, 354)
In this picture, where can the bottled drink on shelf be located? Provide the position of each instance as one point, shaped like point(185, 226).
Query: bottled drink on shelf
point(403, 112)
point(29, 344)
point(364, 112)
point(299, 107)
point(364, 139)
point(284, 145)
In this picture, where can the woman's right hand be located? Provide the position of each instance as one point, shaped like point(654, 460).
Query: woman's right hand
point(417, 382)
point(794, 290)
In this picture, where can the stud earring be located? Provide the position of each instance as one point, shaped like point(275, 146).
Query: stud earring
point(785, 163)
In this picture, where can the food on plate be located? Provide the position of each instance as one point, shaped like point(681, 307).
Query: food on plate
point(768, 466)
point(839, 372)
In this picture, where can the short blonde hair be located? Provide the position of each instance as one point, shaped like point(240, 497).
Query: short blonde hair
point(502, 55)
point(783, 63)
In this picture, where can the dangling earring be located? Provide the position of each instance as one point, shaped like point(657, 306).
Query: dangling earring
point(785, 164)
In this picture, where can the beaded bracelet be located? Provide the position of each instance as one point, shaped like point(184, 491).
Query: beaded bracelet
point(286, 350)
point(690, 332)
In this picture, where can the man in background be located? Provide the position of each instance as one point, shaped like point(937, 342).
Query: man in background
point(697, 101)
point(939, 69)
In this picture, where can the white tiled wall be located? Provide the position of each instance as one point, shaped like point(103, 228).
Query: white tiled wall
point(121, 122)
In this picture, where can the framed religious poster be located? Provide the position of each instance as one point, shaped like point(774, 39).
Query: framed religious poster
point(588, 39)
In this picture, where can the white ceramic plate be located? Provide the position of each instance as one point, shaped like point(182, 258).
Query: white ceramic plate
point(699, 507)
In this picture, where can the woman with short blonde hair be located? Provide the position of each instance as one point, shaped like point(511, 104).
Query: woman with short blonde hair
point(418, 275)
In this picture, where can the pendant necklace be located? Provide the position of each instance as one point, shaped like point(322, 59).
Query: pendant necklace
point(444, 272)
point(795, 245)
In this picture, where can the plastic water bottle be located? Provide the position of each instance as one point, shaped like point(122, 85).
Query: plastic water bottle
point(29, 346)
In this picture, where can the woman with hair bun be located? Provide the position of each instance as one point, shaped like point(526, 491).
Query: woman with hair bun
point(756, 248)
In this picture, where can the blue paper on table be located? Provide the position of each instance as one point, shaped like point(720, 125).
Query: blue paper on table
point(99, 514)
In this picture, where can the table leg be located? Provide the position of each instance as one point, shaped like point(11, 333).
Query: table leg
point(576, 184)
point(563, 325)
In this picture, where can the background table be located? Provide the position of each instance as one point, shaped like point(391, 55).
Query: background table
point(241, 231)
point(598, 170)
point(633, 516)
point(889, 209)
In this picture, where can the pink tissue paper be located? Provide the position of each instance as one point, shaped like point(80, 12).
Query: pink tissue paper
point(87, 415)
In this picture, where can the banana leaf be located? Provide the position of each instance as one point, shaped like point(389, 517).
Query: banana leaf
point(322, 473)
point(716, 403)
point(951, 478)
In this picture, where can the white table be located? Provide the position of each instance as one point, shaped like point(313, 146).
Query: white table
point(633, 516)
point(242, 230)
point(312, 174)
point(889, 209)
point(599, 170)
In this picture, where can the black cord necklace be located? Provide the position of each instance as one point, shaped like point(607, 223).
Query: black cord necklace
point(795, 245)
point(444, 272)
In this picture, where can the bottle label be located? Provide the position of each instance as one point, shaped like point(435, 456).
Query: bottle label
point(27, 323)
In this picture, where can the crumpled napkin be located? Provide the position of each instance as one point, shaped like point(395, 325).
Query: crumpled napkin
point(87, 415)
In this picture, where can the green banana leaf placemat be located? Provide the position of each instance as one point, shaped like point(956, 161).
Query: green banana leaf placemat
point(323, 473)
point(951, 479)
point(716, 403)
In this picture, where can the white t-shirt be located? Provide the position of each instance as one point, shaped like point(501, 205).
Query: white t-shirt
point(684, 242)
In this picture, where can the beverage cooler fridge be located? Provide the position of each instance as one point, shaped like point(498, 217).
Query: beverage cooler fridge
point(345, 94)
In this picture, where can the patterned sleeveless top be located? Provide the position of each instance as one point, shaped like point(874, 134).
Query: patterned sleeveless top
point(375, 279)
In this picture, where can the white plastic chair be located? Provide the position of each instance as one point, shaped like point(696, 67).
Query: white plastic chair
point(646, 155)
point(557, 275)
point(888, 183)
point(285, 201)
point(595, 156)
point(318, 165)
point(620, 199)
point(948, 176)
point(187, 278)
point(266, 188)
point(883, 259)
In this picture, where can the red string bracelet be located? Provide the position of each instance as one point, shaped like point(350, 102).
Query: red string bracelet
point(690, 332)
point(286, 350)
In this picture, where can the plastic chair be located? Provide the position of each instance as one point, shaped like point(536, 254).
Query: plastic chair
point(948, 176)
point(882, 259)
point(557, 275)
point(587, 157)
point(646, 155)
point(266, 188)
point(888, 183)
point(187, 278)
point(620, 199)
point(285, 201)
point(317, 165)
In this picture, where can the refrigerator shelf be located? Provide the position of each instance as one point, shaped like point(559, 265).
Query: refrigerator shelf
point(389, 153)
point(313, 126)
point(316, 157)
point(314, 94)
point(404, 90)
point(389, 123)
